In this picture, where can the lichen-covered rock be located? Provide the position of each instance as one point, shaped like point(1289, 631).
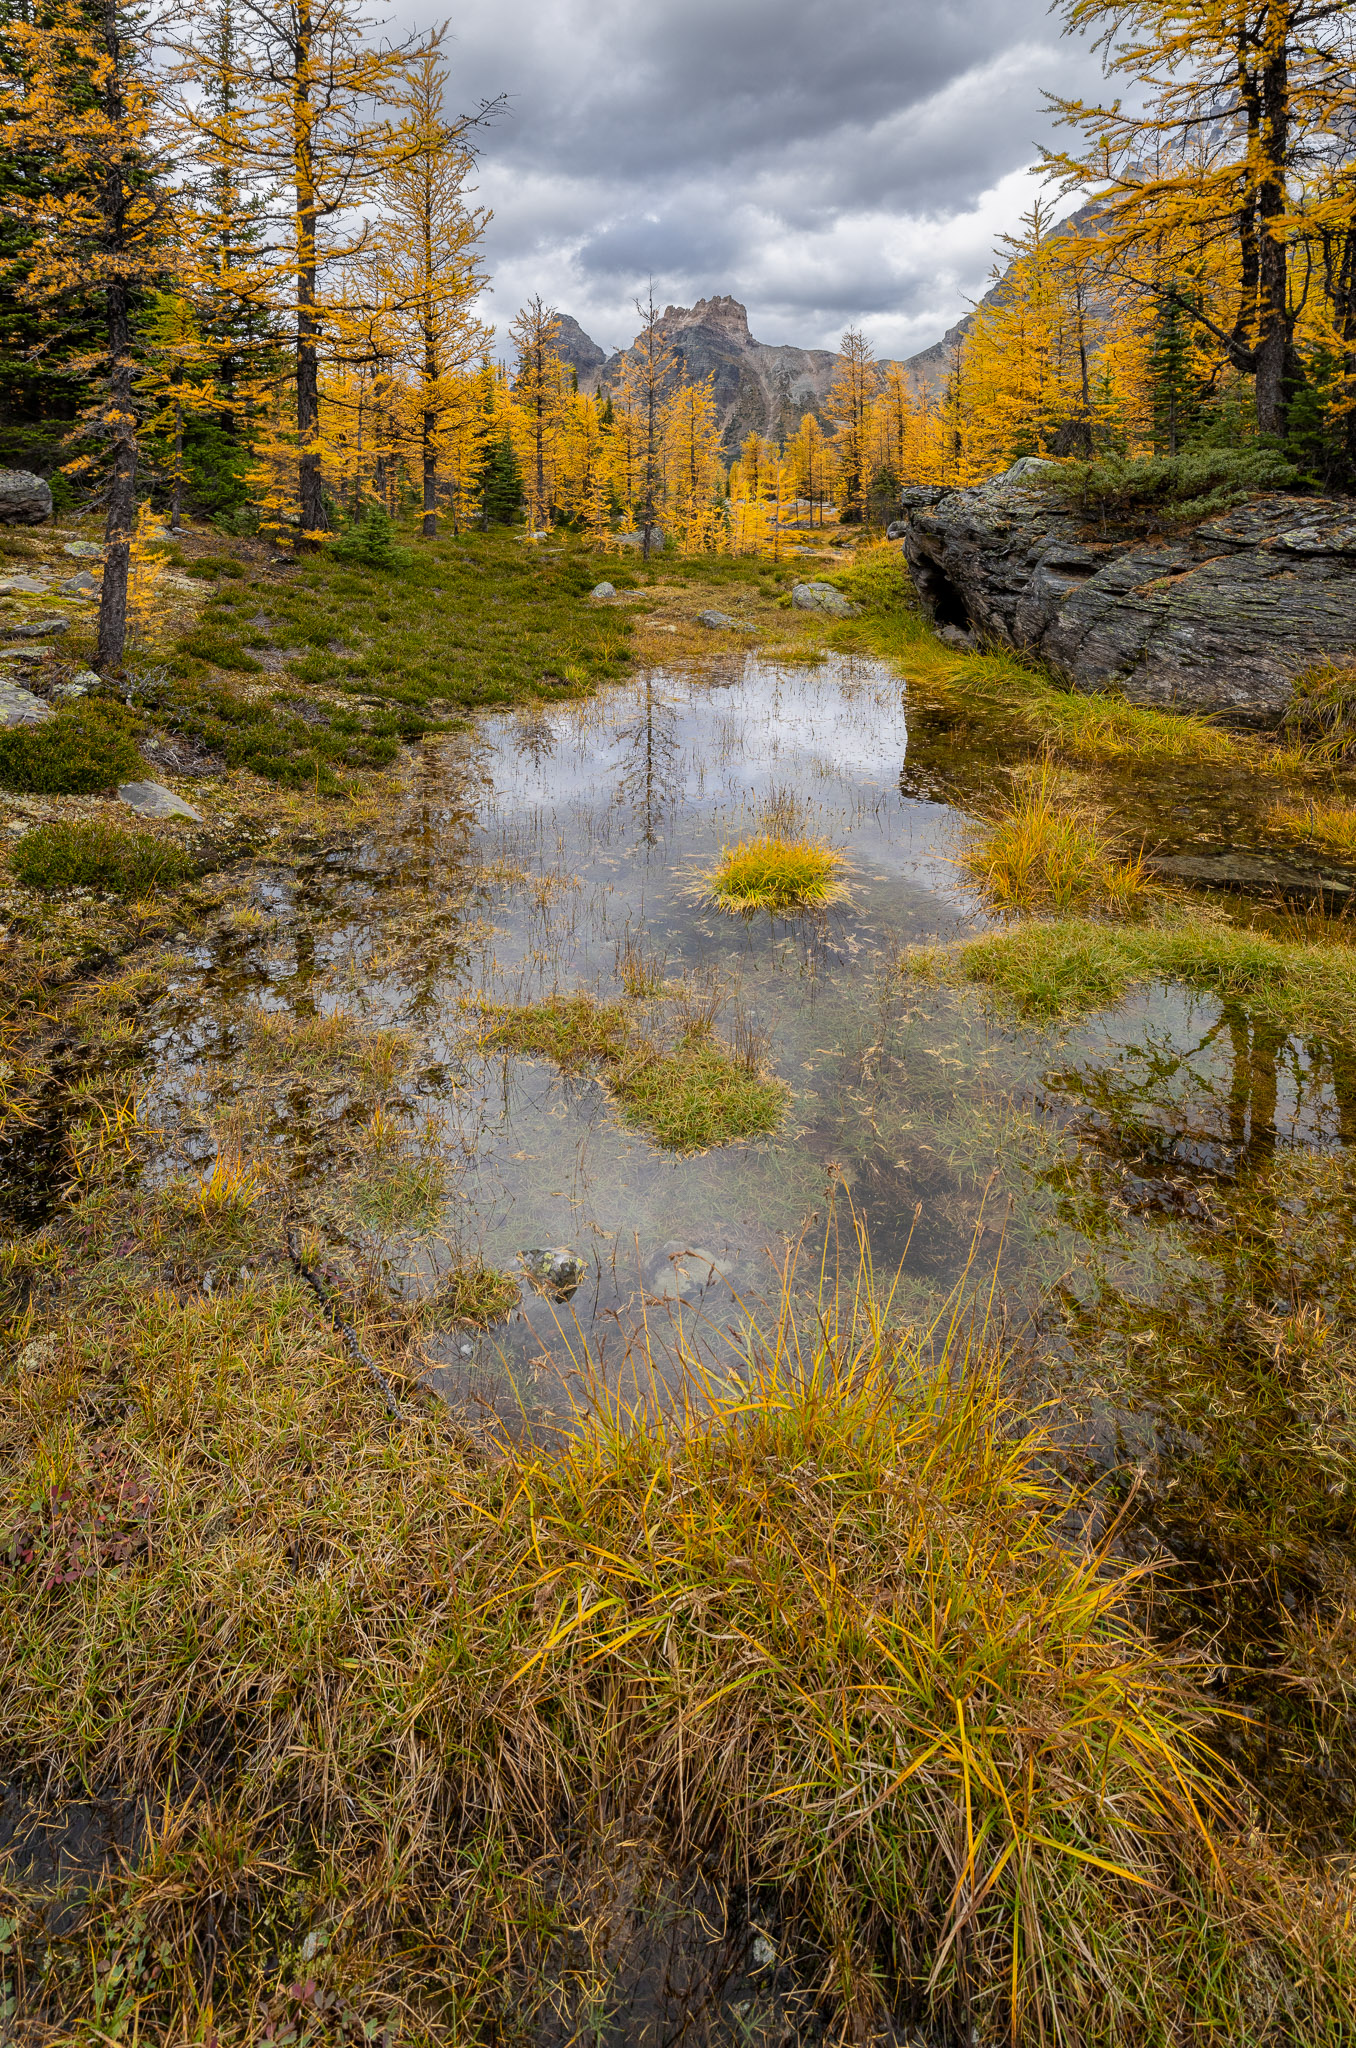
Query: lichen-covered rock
point(20, 707)
point(25, 500)
point(822, 597)
point(1219, 618)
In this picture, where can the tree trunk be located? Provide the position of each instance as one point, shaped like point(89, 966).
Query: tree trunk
point(430, 418)
point(1273, 339)
point(309, 491)
point(122, 483)
point(177, 500)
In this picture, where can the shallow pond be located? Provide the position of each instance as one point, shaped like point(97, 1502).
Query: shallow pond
point(555, 849)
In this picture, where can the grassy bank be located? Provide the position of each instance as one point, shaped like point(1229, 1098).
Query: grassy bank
point(383, 1695)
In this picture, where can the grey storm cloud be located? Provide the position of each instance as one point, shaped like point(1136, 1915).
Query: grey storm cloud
point(824, 164)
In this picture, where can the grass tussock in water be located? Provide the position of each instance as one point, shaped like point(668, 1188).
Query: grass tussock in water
point(825, 1624)
point(1044, 854)
point(690, 1094)
point(1320, 718)
point(777, 874)
point(1330, 826)
point(95, 856)
point(1074, 966)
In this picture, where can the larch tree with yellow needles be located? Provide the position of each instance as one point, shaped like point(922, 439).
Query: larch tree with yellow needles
point(539, 392)
point(304, 83)
point(428, 253)
point(645, 386)
point(693, 470)
point(851, 398)
point(1238, 137)
point(81, 99)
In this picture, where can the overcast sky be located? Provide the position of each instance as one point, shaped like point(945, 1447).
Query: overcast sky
point(825, 161)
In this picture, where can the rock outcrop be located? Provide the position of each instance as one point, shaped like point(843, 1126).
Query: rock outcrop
point(1219, 618)
point(25, 500)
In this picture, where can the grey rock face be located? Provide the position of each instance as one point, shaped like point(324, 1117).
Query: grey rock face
point(153, 800)
point(1220, 618)
point(25, 500)
point(822, 597)
point(21, 707)
point(603, 590)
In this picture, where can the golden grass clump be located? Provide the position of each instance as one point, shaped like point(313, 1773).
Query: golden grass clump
point(817, 1617)
point(1043, 854)
point(778, 874)
point(688, 1095)
point(1330, 826)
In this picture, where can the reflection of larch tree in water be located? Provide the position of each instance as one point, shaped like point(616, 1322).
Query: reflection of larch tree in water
point(533, 734)
point(649, 742)
point(434, 868)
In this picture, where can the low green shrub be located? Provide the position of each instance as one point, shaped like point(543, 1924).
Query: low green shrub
point(207, 567)
point(370, 540)
point(1191, 485)
point(87, 746)
point(209, 643)
point(96, 856)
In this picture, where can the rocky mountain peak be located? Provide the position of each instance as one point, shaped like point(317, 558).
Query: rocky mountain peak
point(726, 315)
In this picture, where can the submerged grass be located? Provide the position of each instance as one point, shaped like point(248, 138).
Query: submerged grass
point(1073, 966)
point(1043, 853)
point(821, 1618)
point(776, 874)
point(687, 1095)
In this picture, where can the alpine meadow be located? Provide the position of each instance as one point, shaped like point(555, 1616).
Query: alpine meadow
point(677, 1066)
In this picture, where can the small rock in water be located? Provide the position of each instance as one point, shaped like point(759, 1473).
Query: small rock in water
point(681, 1269)
point(822, 597)
point(554, 1266)
point(153, 800)
point(603, 590)
point(761, 1952)
point(86, 550)
point(21, 707)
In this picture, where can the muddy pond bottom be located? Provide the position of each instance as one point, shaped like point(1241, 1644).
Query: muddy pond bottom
point(565, 849)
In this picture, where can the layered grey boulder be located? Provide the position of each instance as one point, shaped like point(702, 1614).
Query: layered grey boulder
point(1219, 618)
point(20, 707)
point(822, 597)
point(25, 500)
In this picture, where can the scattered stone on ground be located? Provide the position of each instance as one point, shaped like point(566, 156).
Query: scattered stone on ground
point(554, 1266)
point(63, 692)
point(22, 586)
point(716, 619)
point(21, 707)
point(25, 500)
point(153, 800)
point(79, 585)
point(87, 678)
point(1216, 617)
point(822, 597)
point(603, 590)
point(26, 655)
point(33, 629)
point(86, 550)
